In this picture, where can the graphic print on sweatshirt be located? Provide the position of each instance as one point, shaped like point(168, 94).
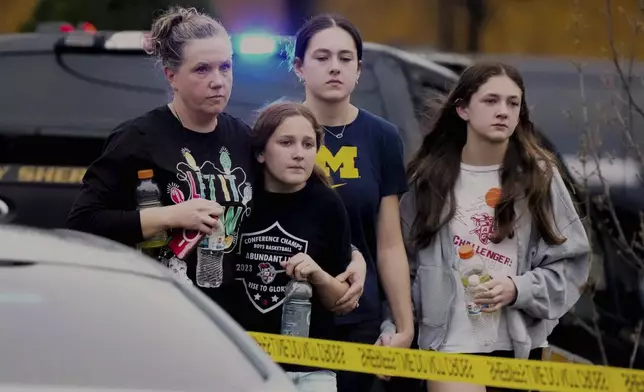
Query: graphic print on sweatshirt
point(225, 184)
point(259, 267)
point(477, 193)
point(474, 224)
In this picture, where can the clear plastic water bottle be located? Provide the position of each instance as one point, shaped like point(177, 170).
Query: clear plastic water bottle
point(179, 268)
point(296, 311)
point(210, 258)
point(471, 264)
point(483, 324)
point(148, 195)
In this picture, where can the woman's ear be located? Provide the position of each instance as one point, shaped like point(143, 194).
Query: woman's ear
point(260, 157)
point(463, 113)
point(297, 67)
point(170, 76)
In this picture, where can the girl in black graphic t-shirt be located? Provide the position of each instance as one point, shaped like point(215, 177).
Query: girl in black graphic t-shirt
point(299, 229)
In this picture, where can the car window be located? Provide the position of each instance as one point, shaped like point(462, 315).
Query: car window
point(79, 94)
point(427, 89)
point(64, 325)
point(96, 92)
point(562, 118)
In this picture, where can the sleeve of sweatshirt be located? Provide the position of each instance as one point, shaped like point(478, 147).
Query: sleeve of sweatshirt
point(106, 203)
point(554, 283)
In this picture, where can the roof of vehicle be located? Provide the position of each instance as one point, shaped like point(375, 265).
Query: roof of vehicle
point(26, 244)
point(453, 61)
point(133, 41)
point(28, 42)
point(66, 388)
point(412, 58)
point(565, 64)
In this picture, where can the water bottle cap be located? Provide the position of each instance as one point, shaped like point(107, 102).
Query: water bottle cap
point(145, 174)
point(473, 280)
point(465, 251)
point(298, 289)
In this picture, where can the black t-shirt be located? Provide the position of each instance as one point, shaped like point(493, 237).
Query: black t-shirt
point(218, 165)
point(366, 164)
point(312, 221)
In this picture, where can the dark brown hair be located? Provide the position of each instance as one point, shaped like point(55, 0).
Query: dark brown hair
point(526, 171)
point(174, 28)
point(270, 118)
point(319, 23)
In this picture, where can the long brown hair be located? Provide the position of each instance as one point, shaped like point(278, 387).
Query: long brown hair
point(526, 171)
point(271, 116)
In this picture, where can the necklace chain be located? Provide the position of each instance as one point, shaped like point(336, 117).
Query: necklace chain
point(176, 114)
point(337, 136)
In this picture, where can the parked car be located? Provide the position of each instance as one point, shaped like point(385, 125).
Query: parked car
point(83, 312)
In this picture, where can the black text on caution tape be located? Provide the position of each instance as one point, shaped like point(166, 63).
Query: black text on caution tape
point(415, 362)
point(548, 375)
point(633, 382)
point(304, 350)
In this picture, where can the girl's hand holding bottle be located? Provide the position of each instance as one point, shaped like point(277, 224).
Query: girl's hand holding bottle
point(303, 267)
point(500, 292)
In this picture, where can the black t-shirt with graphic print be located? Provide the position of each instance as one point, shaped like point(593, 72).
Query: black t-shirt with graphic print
point(218, 166)
point(312, 221)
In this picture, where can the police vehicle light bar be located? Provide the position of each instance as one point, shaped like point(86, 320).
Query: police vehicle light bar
point(256, 44)
point(247, 44)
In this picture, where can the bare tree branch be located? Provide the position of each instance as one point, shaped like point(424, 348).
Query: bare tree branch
point(636, 337)
point(599, 202)
point(626, 82)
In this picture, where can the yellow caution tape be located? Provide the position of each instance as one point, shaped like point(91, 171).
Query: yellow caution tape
point(431, 365)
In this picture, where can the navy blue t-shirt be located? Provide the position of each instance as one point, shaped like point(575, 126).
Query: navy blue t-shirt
point(366, 164)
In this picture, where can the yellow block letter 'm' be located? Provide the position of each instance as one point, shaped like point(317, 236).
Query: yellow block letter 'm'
point(344, 161)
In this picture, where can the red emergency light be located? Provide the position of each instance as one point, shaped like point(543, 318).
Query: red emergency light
point(84, 26)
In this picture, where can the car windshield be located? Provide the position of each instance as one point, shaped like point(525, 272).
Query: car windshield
point(92, 93)
point(84, 327)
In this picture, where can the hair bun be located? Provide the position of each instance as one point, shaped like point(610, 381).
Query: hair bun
point(166, 39)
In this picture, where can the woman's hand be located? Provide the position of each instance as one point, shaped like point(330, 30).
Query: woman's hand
point(499, 293)
point(195, 214)
point(355, 275)
point(303, 267)
point(390, 338)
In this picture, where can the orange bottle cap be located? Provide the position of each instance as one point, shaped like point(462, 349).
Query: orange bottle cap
point(465, 251)
point(145, 174)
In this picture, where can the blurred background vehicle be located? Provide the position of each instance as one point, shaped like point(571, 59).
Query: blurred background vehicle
point(82, 312)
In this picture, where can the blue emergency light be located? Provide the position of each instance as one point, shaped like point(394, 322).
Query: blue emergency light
point(259, 44)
